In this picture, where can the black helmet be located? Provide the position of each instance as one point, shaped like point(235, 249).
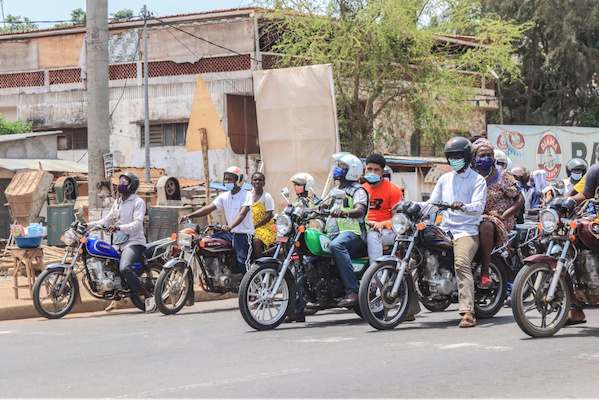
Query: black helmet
point(459, 145)
point(133, 181)
point(576, 163)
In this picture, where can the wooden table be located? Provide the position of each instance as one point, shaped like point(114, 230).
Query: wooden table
point(26, 257)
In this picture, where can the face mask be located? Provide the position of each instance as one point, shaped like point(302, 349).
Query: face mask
point(122, 188)
point(576, 177)
point(484, 163)
point(371, 177)
point(457, 165)
point(337, 172)
point(229, 186)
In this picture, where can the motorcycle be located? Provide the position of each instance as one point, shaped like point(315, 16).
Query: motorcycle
point(267, 291)
point(56, 289)
point(174, 287)
point(422, 256)
point(568, 270)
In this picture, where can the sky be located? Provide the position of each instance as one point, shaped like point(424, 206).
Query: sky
point(60, 10)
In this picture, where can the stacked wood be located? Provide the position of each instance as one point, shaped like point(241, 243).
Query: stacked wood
point(52, 254)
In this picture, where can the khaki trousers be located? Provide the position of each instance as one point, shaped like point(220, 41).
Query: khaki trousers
point(464, 250)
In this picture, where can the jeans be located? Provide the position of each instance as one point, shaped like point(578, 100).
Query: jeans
point(129, 256)
point(242, 244)
point(464, 250)
point(343, 246)
point(376, 241)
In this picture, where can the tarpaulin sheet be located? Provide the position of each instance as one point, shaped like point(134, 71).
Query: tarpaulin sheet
point(204, 115)
point(297, 125)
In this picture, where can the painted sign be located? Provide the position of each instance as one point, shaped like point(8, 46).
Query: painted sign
point(545, 147)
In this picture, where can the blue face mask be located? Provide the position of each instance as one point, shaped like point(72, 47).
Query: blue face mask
point(371, 177)
point(484, 163)
point(576, 177)
point(337, 172)
point(457, 165)
point(229, 186)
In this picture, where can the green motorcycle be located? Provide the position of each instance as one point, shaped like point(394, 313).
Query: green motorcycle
point(267, 291)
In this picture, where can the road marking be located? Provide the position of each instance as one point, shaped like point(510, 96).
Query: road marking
point(588, 356)
point(6, 332)
point(473, 345)
point(249, 378)
point(323, 340)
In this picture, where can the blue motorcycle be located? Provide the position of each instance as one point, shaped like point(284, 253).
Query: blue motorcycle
point(56, 289)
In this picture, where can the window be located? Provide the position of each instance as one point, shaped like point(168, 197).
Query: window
point(165, 135)
point(72, 139)
point(242, 124)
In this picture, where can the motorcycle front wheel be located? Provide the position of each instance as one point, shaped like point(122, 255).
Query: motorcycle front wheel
point(149, 281)
point(48, 298)
point(535, 316)
point(488, 302)
point(379, 308)
point(173, 288)
point(259, 307)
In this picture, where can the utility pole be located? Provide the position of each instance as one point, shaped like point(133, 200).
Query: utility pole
point(145, 14)
point(98, 131)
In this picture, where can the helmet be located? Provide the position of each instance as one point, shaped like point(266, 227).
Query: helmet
point(133, 181)
point(351, 165)
point(459, 144)
point(303, 179)
point(238, 173)
point(576, 163)
point(387, 173)
point(500, 157)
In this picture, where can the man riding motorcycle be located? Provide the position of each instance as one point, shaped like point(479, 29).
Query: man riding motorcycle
point(466, 192)
point(575, 169)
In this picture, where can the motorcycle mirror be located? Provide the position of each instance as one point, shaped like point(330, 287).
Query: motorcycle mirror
point(338, 194)
point(285, 194)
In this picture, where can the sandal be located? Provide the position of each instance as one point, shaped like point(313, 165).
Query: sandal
point(485, 283)
point(468, 321)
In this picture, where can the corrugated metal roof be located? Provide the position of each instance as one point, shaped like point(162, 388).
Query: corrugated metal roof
point(23, 136)
point(51, 165)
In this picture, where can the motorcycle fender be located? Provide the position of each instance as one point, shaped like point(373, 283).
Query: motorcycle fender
point(387, 258)
point(541, 258)
point(60, 267)
point(267, 260)
point(172, 262)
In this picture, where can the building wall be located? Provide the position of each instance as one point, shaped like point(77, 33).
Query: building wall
point(32, 147)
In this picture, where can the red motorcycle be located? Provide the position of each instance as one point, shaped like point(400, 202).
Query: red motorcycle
point(548, 283)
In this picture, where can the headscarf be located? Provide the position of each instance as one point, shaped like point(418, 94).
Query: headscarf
point(482, 142)
point(539, 177)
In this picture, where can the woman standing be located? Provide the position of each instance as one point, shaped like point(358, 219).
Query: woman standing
point(262, 211)
point(503, 202)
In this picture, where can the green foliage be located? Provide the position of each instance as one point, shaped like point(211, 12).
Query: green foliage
point(122, 15)
point(17, 24)
point(10, 127)
point(78, 17)
point(388, 55)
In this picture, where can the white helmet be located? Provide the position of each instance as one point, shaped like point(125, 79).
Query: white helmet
point(500, 157)
point(238, 173)
point(303, 179)
point(350, 164)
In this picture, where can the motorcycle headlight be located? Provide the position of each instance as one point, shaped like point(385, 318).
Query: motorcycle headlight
point(399, 223)
point(283, 224)
point(548, 219)
point(184, 240)
point(69, 238)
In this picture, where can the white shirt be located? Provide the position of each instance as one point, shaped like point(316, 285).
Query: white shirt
point(231, 204)
point(568, 185)
point(129, 214)
point(469, 188)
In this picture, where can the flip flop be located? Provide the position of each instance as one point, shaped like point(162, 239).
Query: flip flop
point(570, 322)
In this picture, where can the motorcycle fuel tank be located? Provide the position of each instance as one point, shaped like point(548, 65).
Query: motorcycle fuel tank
point(98, 248)
point(210, 246)
point(588, 232)
point(433, 236)
point(318, 243)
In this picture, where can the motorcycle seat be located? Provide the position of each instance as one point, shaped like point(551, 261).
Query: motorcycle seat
point(151, 247)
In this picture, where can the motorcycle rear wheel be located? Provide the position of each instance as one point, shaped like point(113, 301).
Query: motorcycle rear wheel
point(378, 308)
point(488, 302)
point(172, 289)
point(257, 309)
point(532, 312)
point(46, 299)
point(149, 282)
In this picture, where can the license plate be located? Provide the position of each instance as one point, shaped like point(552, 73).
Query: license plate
point(282, 239)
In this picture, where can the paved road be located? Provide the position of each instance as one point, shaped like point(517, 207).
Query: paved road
point(208, 351)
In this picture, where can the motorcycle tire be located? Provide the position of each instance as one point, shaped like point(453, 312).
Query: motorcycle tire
point(488, 302)
point(433, 305)
point(258, 311)
point(376, 304)
point(47, 284)
point(172, 290)
point(155, 269)
point(531, 312)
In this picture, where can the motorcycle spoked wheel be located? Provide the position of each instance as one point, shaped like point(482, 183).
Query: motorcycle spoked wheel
point(173, 289)
point(149, 282)
point(488, 302)
point(46, 299)
point(533, 315)
point(433, 305)
point(259, 311)
point(378, 308)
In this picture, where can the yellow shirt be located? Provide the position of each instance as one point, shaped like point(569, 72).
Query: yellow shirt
point(579, 187)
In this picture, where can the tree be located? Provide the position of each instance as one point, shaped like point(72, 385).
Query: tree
point(17, 24)
point(558, 58)
point(10, 127)
point(390, 54)
point(122, 15)
point(78, 17)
